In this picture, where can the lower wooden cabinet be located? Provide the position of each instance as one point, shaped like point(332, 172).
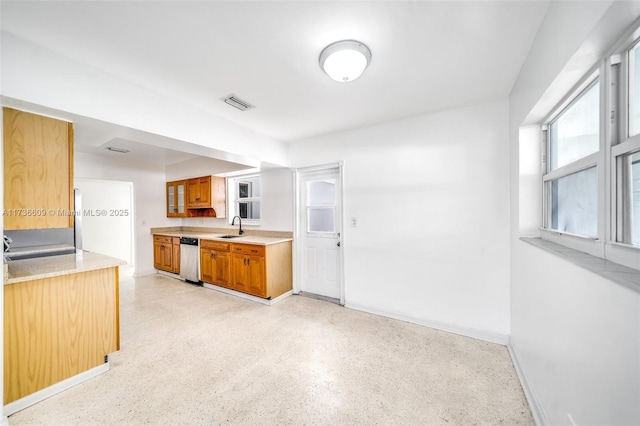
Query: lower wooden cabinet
point(215, 263)
point(263, 271)
point(166, 253)
point(249, 274)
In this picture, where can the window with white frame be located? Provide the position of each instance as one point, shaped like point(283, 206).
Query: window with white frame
point(246, 192)
point(625, 147)
point(591, 156)
point(571, 178)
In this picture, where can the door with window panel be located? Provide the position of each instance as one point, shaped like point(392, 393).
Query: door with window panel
point(320, 236)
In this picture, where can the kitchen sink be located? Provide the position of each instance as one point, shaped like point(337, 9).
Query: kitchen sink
point(229, 236)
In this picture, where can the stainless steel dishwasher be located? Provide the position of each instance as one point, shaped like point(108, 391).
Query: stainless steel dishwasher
point(190, 260)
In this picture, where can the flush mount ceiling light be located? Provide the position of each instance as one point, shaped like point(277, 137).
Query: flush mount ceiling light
point(345, 60)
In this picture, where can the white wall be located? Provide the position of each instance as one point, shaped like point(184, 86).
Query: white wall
point(575, 336)
point(431, 198)
point(107, 217)
point(148, 196)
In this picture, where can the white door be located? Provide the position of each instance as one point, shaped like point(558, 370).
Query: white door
point(320, 218)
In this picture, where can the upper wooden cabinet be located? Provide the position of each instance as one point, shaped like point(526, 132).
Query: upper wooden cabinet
point(208, 192)
point(38, 171)
point(176, 205)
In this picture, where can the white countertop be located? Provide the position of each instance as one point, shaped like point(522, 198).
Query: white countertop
point(243, 239)
point(52, 266)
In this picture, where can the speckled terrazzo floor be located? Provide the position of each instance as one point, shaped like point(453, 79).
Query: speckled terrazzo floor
point(194, 356)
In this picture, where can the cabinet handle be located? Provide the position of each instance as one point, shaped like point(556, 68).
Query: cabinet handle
point(254, 251)
point(214, 255)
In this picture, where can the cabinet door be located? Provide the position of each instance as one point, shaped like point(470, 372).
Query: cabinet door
point(163, 257)
point(221, 268)
point(175, 257)
point(157, 256)
point(204, 184)
point(193, 195)
point(240, 272)
point(199, 192)
point(176, 199)
point(206, 264)
point(38, 171)
point(180, 206)
point(257, 283)
point(167, 256)
point(171, 199)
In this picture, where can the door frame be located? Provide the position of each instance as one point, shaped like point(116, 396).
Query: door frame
point(298, 256)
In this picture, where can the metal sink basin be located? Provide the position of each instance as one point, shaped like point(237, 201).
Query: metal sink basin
point(229, 236)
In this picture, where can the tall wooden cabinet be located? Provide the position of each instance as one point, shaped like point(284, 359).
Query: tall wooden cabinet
point(38, 171)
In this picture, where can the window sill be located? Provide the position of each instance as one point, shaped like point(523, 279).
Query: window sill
point(615, 272)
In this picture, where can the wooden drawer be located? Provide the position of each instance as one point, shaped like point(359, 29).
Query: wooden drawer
point(163, 239)
point(214, 245)
point(248, 249)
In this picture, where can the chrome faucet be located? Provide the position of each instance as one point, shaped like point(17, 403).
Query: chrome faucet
point(233, 222)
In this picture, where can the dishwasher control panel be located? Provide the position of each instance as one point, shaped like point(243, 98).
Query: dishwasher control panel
point(188, 241)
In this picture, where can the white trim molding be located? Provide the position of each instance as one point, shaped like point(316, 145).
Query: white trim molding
point(537, 412)
point(487, 336)
point(22, 403)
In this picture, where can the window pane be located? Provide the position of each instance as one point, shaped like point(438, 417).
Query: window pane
point(181, 198)
point(321, 220)
point(321, 192)
point(249, 210)
point(575, 134)
point(574, 203)
point(635, 198)
point(249, 187)
point(170, 201)
point(634, 90)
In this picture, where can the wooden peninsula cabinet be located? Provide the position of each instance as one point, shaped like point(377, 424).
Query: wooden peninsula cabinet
point(61, 321)
point(38, 171)
point(166, 253)
point(260, 270)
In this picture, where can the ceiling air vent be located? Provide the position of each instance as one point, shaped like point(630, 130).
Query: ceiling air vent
point(120, 150)
point(238, 103)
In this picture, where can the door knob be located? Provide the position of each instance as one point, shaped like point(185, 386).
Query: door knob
point(338, 244)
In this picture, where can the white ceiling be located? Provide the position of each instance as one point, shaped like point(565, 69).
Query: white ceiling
point(427, 56)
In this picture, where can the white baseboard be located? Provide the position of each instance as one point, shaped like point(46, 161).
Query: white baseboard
point(536, 408)
point(22, 403)
point(142, 273)
point(247, 296)
point(487, 336)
